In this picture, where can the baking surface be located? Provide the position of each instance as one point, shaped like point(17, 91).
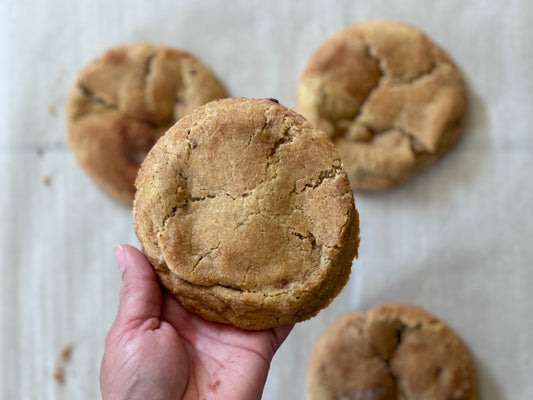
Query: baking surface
point(455, 240)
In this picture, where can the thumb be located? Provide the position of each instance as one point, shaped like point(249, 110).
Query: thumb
point(140, 295)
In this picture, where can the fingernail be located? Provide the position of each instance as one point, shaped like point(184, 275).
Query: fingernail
point(119, 256)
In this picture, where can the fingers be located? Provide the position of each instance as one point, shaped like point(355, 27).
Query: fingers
point(140, 295)
point(174, 313)
point(281, 333)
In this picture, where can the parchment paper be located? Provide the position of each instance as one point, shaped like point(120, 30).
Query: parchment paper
point(456, 240)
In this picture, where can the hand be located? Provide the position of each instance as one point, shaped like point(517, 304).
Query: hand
point(156, 349)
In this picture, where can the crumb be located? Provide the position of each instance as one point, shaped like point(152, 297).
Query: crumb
point(273, 100)
point(45, 179)
point(39, 151)
point(51, 110)
point(64, 354)
point(59, 374)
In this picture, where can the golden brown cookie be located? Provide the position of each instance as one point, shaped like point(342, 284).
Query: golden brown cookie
point(391, 100)
point(393, 352)
point(123, 101)
point(246, 214)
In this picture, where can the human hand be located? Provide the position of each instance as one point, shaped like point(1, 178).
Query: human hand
point(156, 349)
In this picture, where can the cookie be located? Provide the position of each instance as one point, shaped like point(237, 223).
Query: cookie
point(123, 101)
point(391, 100)
point(394, 351)
point(246, 214)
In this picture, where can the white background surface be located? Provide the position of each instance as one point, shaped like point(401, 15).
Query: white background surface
point(457, 240)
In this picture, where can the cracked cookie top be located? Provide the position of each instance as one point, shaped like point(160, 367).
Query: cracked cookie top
point(391, 100)
point(394, 351)
point(246, 214)
point(123, 101)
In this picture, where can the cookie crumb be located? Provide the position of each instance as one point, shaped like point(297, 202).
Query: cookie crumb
point(45, 179)
point(59, 374)
point(51, 110)
point(64, 354)
point(273, 100)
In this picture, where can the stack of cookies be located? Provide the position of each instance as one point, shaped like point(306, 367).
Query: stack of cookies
point(246, 214)
point(245, 208)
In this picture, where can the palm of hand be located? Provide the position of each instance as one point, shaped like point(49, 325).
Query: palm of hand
point(167, 352)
